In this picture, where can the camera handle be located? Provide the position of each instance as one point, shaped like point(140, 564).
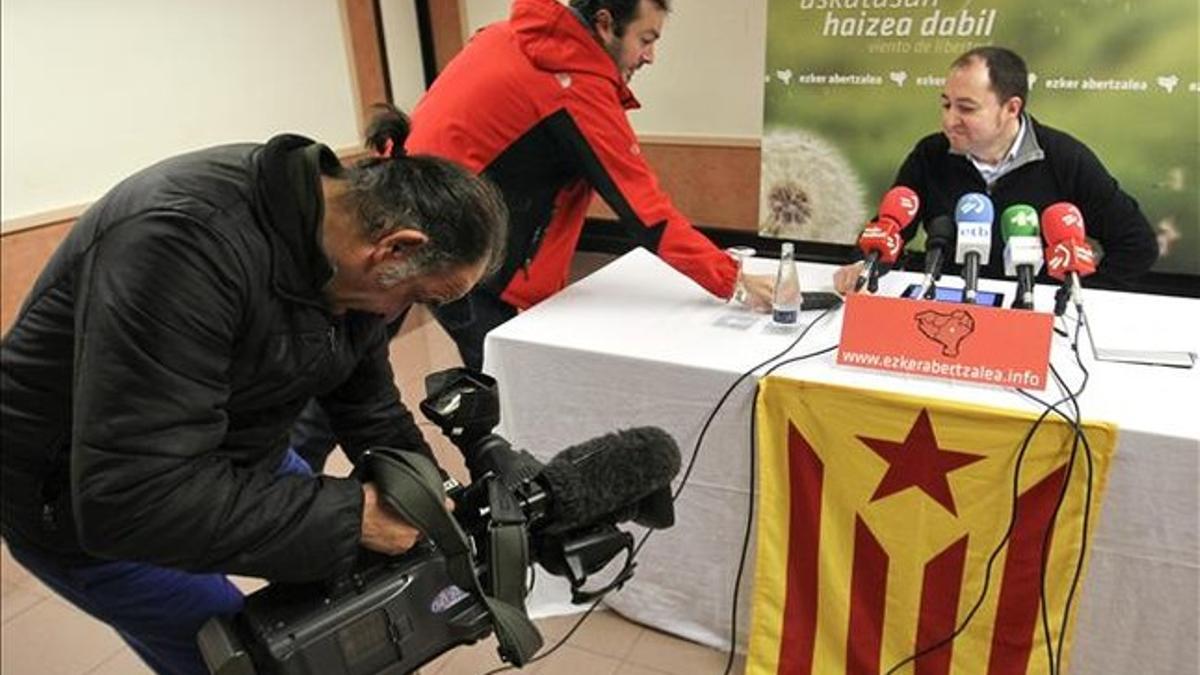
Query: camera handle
point(590, 552)
point(410, 483)
point(508, 546)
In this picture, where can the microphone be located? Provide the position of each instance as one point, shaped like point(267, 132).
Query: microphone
point(623, 476)
point(939, 235)
point(973, 215)
point(1022, 250)
point(1068, 255)
point(880, 241)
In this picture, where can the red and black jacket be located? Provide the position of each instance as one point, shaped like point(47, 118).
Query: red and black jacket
point(536, 105)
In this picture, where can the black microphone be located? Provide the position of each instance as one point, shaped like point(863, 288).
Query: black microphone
point(627, 473)
point(939, 236)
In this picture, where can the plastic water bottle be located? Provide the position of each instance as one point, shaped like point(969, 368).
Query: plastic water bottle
point(785, 306)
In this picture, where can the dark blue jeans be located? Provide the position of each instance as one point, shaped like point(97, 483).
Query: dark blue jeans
point(468, 321)
point(156, 610)
point(312, 436)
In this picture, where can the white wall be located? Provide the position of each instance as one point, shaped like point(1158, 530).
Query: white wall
point(480, 13)
point(402, 39)
point(92, 91)
point(707, 80)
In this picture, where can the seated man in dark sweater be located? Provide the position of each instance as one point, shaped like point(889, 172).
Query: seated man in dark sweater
point(990, 144)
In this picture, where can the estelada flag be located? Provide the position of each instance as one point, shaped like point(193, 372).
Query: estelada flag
point(877, 515)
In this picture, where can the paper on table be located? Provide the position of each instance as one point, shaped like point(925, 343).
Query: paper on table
point(1150, 357)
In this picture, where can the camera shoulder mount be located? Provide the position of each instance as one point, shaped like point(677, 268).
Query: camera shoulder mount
point(411, 485)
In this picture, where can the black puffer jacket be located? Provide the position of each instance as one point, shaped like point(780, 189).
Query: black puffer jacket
point(150, 381)
point(1058, 168)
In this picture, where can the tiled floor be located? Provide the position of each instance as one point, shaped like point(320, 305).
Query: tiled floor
point(43, 635)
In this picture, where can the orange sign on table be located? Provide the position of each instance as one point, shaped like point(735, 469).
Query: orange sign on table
point(973, 343)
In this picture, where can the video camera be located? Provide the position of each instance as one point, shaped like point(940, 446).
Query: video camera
point(393, 614)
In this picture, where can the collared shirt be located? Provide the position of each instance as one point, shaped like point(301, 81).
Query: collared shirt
point(991, 172)
point(1050, 166)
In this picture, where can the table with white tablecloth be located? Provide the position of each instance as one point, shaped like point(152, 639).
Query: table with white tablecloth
point(636, 343)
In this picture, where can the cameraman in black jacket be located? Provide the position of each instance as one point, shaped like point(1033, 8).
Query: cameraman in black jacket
point(152, 375)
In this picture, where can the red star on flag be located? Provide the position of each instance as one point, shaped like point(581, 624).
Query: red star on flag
point(918, 462)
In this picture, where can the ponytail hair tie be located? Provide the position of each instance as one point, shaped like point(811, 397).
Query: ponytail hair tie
point(386, 132)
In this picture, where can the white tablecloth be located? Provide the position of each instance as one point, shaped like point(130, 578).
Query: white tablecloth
point(636, 343)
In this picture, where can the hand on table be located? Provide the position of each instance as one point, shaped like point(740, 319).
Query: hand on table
point(845, 278)
point(759, 290)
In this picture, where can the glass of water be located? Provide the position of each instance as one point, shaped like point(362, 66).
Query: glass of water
point(740, 254)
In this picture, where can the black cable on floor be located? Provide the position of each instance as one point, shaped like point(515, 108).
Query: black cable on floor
point(1048, 534)
point(1012, 521)
point(1048, 408)
point(1080, 436)
point(1044, 606)
point(683, 483)
point(737, 584)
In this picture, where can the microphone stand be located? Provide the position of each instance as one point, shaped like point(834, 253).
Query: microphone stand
point(1070, 291)
point(869, 276)
point(873, 280)
point(971, 278)
point(1061, 297)
point(1024, 297)
point(933, 271)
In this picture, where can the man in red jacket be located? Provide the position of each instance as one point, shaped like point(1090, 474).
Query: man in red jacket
point(538, 105)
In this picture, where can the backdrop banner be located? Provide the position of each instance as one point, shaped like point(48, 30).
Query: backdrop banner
point(852, 85)
point(913, 535)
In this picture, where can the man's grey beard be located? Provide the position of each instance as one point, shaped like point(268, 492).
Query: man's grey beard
point(395, 273)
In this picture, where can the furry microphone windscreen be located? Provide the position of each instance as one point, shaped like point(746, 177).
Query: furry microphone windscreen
point(607, 474)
